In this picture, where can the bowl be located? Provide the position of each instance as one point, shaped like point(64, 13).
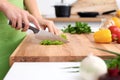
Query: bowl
point(62, 10)
point(88, 14)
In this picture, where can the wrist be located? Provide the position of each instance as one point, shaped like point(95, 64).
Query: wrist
point(38, 17)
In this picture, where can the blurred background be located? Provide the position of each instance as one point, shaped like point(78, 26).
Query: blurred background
point(47, 6)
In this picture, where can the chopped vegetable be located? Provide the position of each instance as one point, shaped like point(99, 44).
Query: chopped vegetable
point(79, 28)
point(63, 36)
point(50, 42)
point(103, 36)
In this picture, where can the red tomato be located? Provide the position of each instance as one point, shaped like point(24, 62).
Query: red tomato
point(118, 38)
point(115, 33)
point(118, 41)
point(114, 29)
point(114, 37)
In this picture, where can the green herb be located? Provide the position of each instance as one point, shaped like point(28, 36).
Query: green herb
point(50, 42)
point(113, 63)
point(79, 28)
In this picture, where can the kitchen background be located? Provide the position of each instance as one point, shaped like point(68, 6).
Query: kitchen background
point(48, 9)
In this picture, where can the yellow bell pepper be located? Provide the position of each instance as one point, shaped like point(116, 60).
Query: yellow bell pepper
point(116, 21)
point(103, 36)
point(118, 13)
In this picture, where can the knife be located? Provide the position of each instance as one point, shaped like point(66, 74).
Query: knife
point(44, 35)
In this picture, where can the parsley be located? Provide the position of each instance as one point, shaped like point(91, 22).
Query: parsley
point(113, 63)
point(79, 28)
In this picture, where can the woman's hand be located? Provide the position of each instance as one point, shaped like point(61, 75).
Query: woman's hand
point(18, 16)
point(50, 25)
point(34, 10)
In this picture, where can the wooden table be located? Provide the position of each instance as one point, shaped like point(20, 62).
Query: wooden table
point(79, 46)
point(43, 71)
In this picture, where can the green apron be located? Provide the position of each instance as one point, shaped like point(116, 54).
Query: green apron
point(9, 39)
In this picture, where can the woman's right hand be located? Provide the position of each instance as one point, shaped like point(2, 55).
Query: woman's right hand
point(18, 16)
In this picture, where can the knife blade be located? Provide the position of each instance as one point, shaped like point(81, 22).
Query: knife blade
point(44, 35)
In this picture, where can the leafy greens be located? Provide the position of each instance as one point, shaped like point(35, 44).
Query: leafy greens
point(79, 28)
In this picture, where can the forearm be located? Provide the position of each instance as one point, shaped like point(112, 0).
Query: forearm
point(33, 8)
point(2, 4)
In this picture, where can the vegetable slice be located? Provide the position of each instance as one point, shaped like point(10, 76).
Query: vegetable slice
point(50, 42)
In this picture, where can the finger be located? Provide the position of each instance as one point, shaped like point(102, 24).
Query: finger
point(14, 22)
point(50, 27)
point(58, 32)
point(35, 22)
point(19, 26)
point(55, 29)
point(42, 27)
point(26, 22)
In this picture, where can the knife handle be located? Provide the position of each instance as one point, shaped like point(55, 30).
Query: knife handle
point(34, 29)
point(30, 27)
point(108, 12)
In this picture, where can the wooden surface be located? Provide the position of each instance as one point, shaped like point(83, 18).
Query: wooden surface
point(79, 46)
point(94, 5)
point(74, 18)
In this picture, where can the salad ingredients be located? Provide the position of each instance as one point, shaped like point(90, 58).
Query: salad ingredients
point(118, 40)
point(103, 36)
point(50, 42)
point(114, 37)
point(63, 36)
point(113, 72)
point(118, 13)
point(113, 65)
point(92, 67)
point(79, 28)
point(116, 21)
point(114, 29)
point(115, 33)
point(53, 42)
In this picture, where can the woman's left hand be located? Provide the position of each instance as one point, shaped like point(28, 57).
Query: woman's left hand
point(50, 25)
